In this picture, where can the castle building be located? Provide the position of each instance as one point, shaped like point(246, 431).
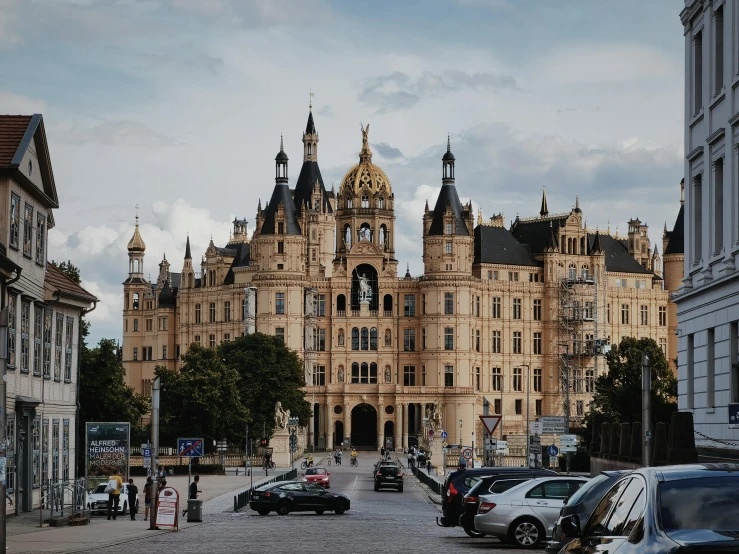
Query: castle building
point(498, 312)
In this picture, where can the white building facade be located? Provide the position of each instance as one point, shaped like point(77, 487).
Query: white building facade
point(708, 301)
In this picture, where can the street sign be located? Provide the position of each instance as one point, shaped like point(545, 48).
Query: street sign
point(444, 434)
point(733, 416)
point(431, 432)
point(552, 425)
point(467, 453)
point(491, 444)
point(147, 456)
point(534, 445)
point(444, 444)
point(535, 428)
point(568, 443)
point(552, 450)
point(444, 451)
point(190, 448)
point(490, 422)
point(501, 447)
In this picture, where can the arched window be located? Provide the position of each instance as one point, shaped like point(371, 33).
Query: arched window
point(381, 202)
point(373, 338)
point(365, 339)
point(365, 201)
point(563, 250)
point(383, 237)
point(355, 338)
point(373, 373)
point(355, 372)
point(365, 232)
point(572, 271)
point(387, 303)
point(348, 202)
point(341, 303)
point(364, 378)
point(341, 337)
point(348, 236)
point(135, 301)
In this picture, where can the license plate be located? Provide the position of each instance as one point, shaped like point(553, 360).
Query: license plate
point(390, 477)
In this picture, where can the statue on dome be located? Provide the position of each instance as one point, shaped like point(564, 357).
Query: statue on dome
point(365, 130)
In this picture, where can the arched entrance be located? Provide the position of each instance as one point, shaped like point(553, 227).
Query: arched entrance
point(370, 273)
point(338, 434)
point(389, 435)
point(364, 427)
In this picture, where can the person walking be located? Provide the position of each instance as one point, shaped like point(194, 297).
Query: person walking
point(147, 497)
point(115, 484)
point(382, 452)
point(194, 492)
point(133, 493)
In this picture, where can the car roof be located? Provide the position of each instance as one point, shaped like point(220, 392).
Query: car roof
point(690, 471)
point(531, 483)
point(497, 470)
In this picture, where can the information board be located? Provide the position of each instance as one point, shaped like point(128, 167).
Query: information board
point(107, 450)
point(168, 508)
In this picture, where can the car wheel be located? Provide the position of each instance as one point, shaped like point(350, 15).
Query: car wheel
point(262, 511)
point(340, 509)
point(320, 512)
point(473, 533)
point(283, 508)
point(525, 533)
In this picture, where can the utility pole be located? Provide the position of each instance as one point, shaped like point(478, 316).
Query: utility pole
point(246, 451)
point(3, 407)
point(646, 410)
point(155, 453)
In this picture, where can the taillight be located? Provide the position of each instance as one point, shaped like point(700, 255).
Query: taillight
point(379, 474)
point(451, 492)
point(265, 494)
point(470, 500)
point(485, 507)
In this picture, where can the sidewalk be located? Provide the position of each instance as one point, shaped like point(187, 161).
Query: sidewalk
point(25, 535)
point(433, 496)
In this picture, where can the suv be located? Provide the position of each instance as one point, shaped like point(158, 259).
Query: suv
point(492, 484)
point(459, 482)
point(389, 475)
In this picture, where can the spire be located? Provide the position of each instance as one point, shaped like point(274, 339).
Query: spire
point(447, 163)
point(407, 271)
point(281, 164)
point(188, 256)
point(427, 205)
point(544, 208)
point(259, 206)
point(479, 216)
point(310, 139)
point(682, 191)
point(596, 248)
point(656, 253)
point(551, 245)
point(577, 204)
point(609, 226)
point(136, 244)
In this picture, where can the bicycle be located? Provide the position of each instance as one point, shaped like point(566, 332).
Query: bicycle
point(269, 465)
point(305, 464)
point(354, 462)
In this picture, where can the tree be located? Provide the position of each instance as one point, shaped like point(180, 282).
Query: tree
point(269, 372)
point(618, 393)
point(104, 396)
point(201, 399)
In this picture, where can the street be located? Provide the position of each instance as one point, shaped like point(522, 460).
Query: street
point(385, 521)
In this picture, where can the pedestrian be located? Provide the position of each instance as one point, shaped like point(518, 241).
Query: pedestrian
point(115, 484)
point(382, 452)
point(428, 466)
point(194, 492)
point(147, 497)
point(462, 462)
point(133, 492)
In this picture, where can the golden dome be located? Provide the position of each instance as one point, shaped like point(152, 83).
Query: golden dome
point(365, 176)
point(136, 244)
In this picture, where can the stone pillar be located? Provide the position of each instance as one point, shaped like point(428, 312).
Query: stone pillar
point(311, 426)
point(328, 431)
point(398, 427)
point(347, 422)
point(405, 426)
point(419, 421)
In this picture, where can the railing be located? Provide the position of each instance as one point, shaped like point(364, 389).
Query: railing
point(227, 460)
point(355, 313)
point(388, 313)
point(427, 480)
point(242, 499)
point(72, 493)
point(341, 313)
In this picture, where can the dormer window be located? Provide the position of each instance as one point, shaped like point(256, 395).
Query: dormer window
point(280, 228)
point(365, 201)
point(448, 228)
point(381, 202)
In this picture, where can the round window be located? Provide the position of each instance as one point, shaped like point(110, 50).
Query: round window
point(338, 409)
point(389, 410)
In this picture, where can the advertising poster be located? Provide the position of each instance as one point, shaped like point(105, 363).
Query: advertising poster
point(167, 508)
point(107, 450)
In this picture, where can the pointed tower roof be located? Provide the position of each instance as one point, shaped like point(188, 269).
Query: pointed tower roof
point(551, 244)
point(596, 248)
point(167, 296)
point(448, 197)
point(310, 128)
point(281, 155)
point(136, 244)
point(188, 255)
point(408, 271)
point(281, 197)
point(577, 204)
point(544, 208)
point(310, 174)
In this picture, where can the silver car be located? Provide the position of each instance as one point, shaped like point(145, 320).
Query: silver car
point(525, 515)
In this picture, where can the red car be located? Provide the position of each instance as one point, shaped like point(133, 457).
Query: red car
point(319, 476)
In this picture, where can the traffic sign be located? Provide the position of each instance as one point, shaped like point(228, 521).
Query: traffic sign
point(568, 443)
point(534, 445)
point(552, 450)
point(501, 447)
point(536, 427)
point(467, 453)
point(190, 448)
point(733, 416)
point(490, 422)
point(444, 450)
point(552, 425)
point(491, 444)
point(147, 456)
point(431, 432)
point(444, 444)
point(444, 434)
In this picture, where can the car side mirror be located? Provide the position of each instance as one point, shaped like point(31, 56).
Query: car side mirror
point(570, 526)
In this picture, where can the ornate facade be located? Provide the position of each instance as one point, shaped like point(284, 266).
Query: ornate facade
point(497, 313)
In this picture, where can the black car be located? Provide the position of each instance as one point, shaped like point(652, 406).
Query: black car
point(582, 503)
point(389, 475)
point(296, 496)
point(459, 482)
point(669, 510)
point(491, 484)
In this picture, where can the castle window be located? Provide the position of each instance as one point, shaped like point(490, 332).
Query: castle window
point(537, 380)
point(537, 309)
point(448, 338)
point(589, 381)
point(280, 333)
point(663, 316)
point(355, 372)
point(537, 343)
point(197, 313)
point(644, 314)
point(718, 49)
point(348, 202)
point(321, 305)
point(580, 408)
point(448, 247)
point(341, 304)
point(319, 375)
point(448, 303)
point(135, 354)
point(517, 379)
point(624, 314)
point(409, 340)
point(365, 201)
point(365, 338)
point(409, 305)
point(496, 307)
point(212, 312)
point(227, 337)
point(280, 228)
point(135, 300)
point(516, 342)
point(423, 339)
point(164, 352)
point(497, 406)
point(355, 338)
point(280, 303)
point(135, 324)
point(373, 338)
point(313, 255)
point(448, 376)
point(280, 247)
point(162, 323)
point(197, 339)
point(537, 407)
point(496, 380)
point(448, 228)
point(212, 341)
point(477, 340)
point(321, 340)
point(381, 202)
point(227, 311)
point(477, 306)
point(516, 308)
point(519, 406)
point(495, 342)
point(409, 375)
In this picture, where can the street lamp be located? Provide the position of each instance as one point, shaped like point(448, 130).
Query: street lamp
point(528, 406)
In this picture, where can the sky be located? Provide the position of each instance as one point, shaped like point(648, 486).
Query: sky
point(177, 106)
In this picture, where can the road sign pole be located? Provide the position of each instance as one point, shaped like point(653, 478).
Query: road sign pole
point(189, 475)
point(155, 452)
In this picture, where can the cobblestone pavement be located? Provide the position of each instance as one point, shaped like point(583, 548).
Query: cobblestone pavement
point(385, 521)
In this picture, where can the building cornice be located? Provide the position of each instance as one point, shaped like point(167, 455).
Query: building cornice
point(694, 153)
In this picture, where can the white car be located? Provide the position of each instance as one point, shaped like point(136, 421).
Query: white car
point(525, 514)
point(97, 500)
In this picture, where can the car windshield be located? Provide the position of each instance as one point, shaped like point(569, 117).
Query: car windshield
point(585, 489)
point(315, 471)
point(704, 503)
point(100, 489)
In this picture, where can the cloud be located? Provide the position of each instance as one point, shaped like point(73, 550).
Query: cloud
point(117, 133)
point(15, 104)
point(9, 35)
point(257, 13)
point(491, 4)
point(400, 91)
point(386, 151)
point(196, 61)
point(325, 111)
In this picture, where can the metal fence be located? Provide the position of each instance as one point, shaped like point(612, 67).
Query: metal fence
point(71, 495)
point(242, 499)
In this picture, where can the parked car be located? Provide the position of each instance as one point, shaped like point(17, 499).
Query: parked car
point(492, 484)
point(669, 509)
point(97, 500)
point(582, 503)
point(318, 475)
point(525, 515)
point(296, 496)
point(389, 475)
point(459, 482)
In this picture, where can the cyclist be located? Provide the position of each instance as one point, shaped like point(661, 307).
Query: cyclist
point(354, 456)
point(310, 460)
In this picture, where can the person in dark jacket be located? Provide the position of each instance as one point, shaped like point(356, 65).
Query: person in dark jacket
point(194, 491)
point(133, 492)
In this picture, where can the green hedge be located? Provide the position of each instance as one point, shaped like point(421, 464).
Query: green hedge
point(200, 469)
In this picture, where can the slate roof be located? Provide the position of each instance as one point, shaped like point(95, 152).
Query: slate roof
point(535, 234)
point(496, 245)
point(229, 252)
point(280, 195)
point(55, 280)
point(309, 174)
point(167, 297)
point(188, 256)
point(242, 259)
point(175, 279)
point(617, 256)
point(676, 237)
point(448, 197)
point(12, 130)
point(310, 128)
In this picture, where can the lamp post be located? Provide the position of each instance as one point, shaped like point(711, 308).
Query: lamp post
point(528, 406)
point(461, 440)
